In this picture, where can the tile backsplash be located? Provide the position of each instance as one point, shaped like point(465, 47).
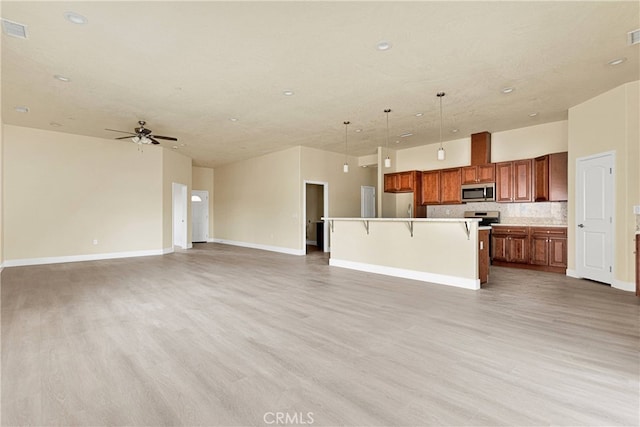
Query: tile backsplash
point(539, 213)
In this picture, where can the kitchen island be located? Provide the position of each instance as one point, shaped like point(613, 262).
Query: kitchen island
point(434, 250)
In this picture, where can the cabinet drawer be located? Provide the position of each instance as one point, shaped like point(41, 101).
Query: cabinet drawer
point(548, 231)
point(510, 231)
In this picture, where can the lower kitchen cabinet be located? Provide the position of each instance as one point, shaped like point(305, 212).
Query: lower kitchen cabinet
point(537, 248)
point(483, 256)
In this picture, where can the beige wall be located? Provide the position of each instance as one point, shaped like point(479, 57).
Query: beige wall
point(258, 201)
point(175, 168)
point(63, 191)
point(203, 180)
point(609, 122)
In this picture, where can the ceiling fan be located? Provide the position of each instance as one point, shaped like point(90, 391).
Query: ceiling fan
point(142, 135)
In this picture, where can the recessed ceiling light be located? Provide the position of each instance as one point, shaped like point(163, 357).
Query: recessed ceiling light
point(397, 142)
point(288, 93)
point(182, 145)
point(234, 119)
point(22, 109)
point(75, 18)
point(175, 147)
point(406, 135)
point(533, 114)
point(358, 130)
point(383, 45)
point(55, 124)
point(62, 78)
point(617, 61)
point(508, 90)
point(454, 130)
point(419, 114)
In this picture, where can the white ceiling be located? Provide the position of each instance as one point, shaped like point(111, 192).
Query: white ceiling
point(188, 67)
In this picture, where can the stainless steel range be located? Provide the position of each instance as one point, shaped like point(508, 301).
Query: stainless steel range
point(486, 218)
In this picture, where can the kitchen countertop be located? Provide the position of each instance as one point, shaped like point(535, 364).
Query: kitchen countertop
point(484, 227)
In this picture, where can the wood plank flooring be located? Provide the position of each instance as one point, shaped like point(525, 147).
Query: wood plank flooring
point(220, 335)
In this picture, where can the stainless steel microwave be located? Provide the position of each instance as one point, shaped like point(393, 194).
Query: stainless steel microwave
point(479, 192)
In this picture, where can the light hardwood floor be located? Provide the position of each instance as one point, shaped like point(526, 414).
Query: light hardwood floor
point(221, 335)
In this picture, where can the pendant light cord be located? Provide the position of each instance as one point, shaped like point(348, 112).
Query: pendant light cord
point(440, 95)
point(387, 111)
point(346, 124)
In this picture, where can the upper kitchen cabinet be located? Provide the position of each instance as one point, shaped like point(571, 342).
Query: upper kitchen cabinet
point(442, 186)
point(401, 182)
point(430, 187)
point(479, 173)
point(513, 181)
point(480, 148)
point(550, 178)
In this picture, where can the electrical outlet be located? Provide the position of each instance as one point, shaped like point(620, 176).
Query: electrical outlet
point(95, 241)
point(636, 209)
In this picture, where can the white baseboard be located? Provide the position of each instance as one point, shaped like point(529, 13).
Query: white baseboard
point(279, 249)
point(617, 284)
point(89, 257)
point(625, 286)
point(573, 273)
point(441, 279)
point(211, 240)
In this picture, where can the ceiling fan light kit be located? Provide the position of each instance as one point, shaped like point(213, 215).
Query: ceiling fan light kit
point(142, 135)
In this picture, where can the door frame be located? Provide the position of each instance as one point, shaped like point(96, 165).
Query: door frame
point(200, 193)
point(179, 204)
point(612, 225)
point(325, 210)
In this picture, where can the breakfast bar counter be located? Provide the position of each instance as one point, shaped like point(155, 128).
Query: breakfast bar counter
point(435, 250)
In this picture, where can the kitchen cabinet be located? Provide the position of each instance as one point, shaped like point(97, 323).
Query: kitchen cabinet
point(441, 186)
point(407, 182)
point(513, 181)
point(550, 178)
point(479, 173)
point(510, 244)
point(401, 182)
point(483, 256)
point(430, 187)
point(480, 148)
point(549, 246)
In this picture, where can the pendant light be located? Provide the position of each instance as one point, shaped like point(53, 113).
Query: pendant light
point(345, 167)
point(441, 153)
point(387, 161)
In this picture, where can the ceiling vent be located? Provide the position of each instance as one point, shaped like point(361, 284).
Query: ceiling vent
point(14, 29)
point(634, 37)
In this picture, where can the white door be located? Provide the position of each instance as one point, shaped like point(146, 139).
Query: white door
point(367, 202)
point(179, 196)
point(594, 217)
point(199, 216)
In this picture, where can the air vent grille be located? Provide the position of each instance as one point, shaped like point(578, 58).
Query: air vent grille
point(14, 29)
point(634, 37)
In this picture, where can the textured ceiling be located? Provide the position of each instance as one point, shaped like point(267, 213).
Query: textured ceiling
point(187, 68)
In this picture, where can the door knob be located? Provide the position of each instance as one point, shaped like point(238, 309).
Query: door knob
point(581, 225)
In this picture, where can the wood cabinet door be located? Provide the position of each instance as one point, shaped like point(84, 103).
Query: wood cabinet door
point(539, 250)
point(504, 182)
point(450, 186)
point(558, 252)
point(470, 175)
point(431, 187)
point(558, 177)
point(486, 173)
point(391, 183)
point(483, 255)
point(406, 180)
point(541, 179)
point(518, 249)
point(499, 247)
point(522, 180)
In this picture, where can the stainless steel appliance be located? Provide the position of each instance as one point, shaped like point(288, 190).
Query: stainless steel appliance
point(486, 219)
point(485, 192)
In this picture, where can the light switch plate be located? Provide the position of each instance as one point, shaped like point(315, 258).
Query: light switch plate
point(636, 209)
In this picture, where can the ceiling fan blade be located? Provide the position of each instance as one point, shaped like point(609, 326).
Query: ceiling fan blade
point(126, 137)
point(142, 131)
point(153, 141)
point(121, 131)
point(168, 138)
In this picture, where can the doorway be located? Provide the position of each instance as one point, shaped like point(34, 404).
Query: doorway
point(595, 216)
point(315, 206)
point(179, 212)
point(367, 201)
point(199, 216)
